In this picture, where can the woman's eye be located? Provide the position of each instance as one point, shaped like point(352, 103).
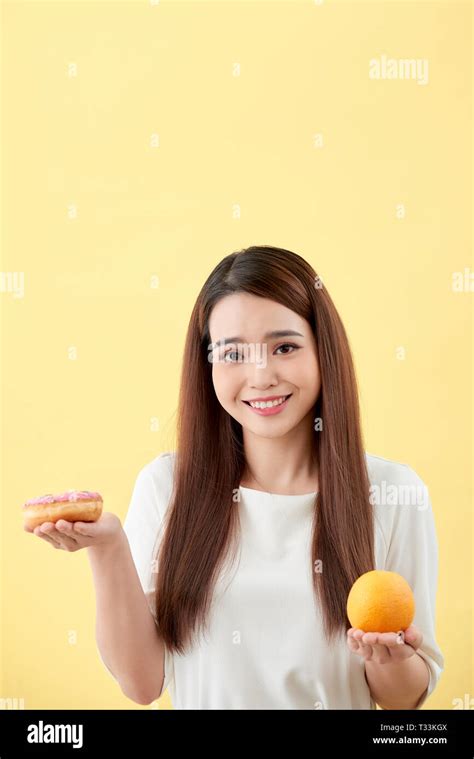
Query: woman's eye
point(288, 345)
point(228, 356)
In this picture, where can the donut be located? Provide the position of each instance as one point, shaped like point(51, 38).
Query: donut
point(73, 505)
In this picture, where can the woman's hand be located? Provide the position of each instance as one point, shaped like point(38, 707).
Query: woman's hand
point(384, 647)
point(71, 536)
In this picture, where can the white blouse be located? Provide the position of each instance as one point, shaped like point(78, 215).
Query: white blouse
point(265, 648)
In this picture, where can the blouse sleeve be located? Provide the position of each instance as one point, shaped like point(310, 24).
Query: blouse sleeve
point(413, 553)
point(143, 526)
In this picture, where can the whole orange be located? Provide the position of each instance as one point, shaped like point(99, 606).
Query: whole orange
point(381, 601)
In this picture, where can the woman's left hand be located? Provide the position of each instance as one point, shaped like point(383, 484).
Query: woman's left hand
point(384, 647)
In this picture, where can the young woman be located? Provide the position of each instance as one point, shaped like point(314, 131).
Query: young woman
point(229, 580)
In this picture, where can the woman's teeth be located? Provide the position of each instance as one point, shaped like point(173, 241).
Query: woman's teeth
point(268, 404)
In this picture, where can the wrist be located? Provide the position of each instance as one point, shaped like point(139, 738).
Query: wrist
point(398, 684)
point(110, 547)
point(394, 663)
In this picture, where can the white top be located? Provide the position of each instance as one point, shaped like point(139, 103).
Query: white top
point(265, 648)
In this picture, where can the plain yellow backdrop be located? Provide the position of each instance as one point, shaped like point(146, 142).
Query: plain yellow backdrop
point(142, 142)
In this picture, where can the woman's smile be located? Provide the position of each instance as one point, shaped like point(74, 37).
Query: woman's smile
point(268, 408)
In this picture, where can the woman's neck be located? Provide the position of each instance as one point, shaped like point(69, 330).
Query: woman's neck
point(305, 480)
point(286, 464)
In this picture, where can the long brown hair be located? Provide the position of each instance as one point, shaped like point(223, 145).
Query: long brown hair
point(202, 522)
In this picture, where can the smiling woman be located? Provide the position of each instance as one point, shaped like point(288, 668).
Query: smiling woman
point(254, 478)
point(284, 386)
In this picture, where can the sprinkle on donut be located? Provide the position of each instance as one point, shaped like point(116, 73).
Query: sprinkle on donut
point(69, 496)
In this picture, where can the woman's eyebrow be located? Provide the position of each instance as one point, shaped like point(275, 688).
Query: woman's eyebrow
point(276, 333)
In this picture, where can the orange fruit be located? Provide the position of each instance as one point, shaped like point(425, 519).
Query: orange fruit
point(381, 601)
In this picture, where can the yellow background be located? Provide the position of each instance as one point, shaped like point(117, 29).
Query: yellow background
point(237, 93)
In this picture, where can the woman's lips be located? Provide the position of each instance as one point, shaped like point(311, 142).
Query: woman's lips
point(271, 410)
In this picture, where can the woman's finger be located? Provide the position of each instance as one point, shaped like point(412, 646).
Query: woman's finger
point(46, 538)
point(353, 644)
point(410, 637)
point(380, 654)
point(66, 529)
point(364, 649)
point(86, 529)
point(413, 636)
point(370, 638)
point(62, 541)
point(47, 528)
point(388, 639)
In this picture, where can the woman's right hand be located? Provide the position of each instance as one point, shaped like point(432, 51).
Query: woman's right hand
point(72, 536)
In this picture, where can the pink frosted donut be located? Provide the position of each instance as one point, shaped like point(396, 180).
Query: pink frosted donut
point(73, 505)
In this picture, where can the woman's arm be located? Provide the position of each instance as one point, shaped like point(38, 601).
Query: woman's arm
point(396, 674)
point(126, 633)
point(398, 684)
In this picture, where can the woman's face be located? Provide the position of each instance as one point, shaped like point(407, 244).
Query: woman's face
point(253, 365)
